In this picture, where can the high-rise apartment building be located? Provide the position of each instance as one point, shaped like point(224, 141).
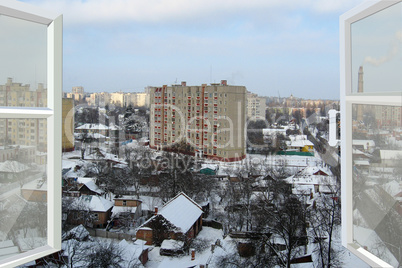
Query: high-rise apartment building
point(31, 132)
point(77, 94)
point(77, 90)
point(255, 106)
point(208, 118)
point(136, 99)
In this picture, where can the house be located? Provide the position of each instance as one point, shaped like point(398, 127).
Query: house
point(300, 143)
point(126, 208)
point(35, 191)
point(179, 219)
point(390, 158)
point(364, 145)
point(87, 186)
point(209, 169)
point(312, 180)
point(90, 210)
point(12, 170)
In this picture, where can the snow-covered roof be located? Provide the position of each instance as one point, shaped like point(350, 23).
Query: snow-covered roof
point(98, 127)
point(12, 166)
point(364, 143)
point(299, 141)
point(392, 187)
point(78, 233)
point(311, 170)
point(90, 183)
point(269, 131)
point(181, 211)
point(114, 127)
point(94, 203)
point(391, 154)
point(130, 252)
point(361, 162)
point(116, 210)
point(212, 167)
point(127, 197)
point(93, 127)
point(37, 184)
point(172, 244)
point(311, 179)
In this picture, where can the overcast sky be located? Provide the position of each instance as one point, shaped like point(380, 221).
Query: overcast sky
point(270, 46)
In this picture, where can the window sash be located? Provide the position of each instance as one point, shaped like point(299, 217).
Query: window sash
point(347, 100)
point(53, 116)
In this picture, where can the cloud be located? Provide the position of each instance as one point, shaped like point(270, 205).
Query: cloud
point(152, 11)
point(393, 51)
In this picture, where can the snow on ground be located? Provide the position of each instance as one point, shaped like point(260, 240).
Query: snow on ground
point(207, 235)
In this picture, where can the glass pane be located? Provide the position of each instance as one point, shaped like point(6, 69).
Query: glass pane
point(376, 52)
point(23, 185)
point(23, 63)
point(377, 185)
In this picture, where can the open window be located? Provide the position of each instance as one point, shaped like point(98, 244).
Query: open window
point(30, 133)
point(371, 118)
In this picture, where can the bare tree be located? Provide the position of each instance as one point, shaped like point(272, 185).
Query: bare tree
point(325, 217)
point(105, 255)
point(282, 214)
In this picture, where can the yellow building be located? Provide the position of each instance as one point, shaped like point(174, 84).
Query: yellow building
point(68, 125)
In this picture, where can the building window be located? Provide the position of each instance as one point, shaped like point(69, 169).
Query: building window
point(371, 105)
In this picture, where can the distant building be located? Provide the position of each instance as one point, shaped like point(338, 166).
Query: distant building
point(119, 99)
point(77, 94)
point(77, 90)
point(205, 120)
point(29, 132)
point(255, 106)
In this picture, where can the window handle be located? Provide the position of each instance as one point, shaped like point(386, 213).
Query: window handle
point(332, 141)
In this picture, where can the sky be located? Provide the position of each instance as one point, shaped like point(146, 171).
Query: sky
point(273, 47)
point(379, 56)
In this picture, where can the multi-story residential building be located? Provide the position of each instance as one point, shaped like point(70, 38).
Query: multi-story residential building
point(99, 99)
point(255, 106)
point(119, 98)
point(30, 132)
point(77, 94)
point(78, 90)
point(136, 99)
point(211, 119)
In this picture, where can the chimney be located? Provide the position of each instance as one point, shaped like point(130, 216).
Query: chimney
point(192, 254)
point(360, 80)
point(224, 82)
point(156, 210)
point(183, 83)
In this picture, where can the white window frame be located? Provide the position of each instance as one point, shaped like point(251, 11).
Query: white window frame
point(52, 113)
point(347, 100)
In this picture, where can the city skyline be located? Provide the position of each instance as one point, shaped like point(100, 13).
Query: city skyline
point(271, 47)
